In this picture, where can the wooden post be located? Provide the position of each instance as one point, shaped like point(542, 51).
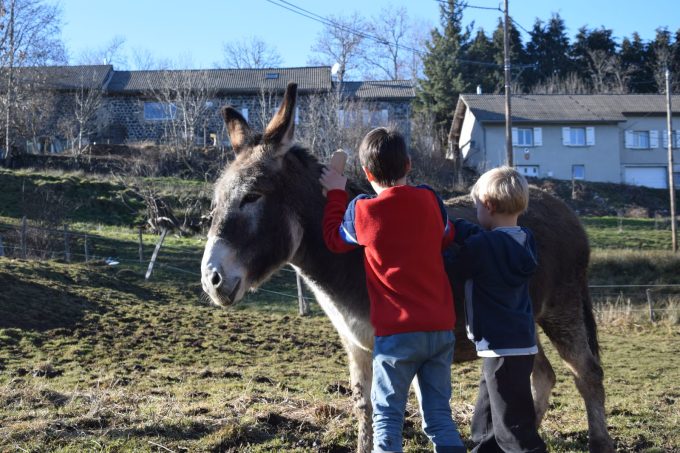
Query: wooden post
point(67, 250)
point(2, 248)
point(155, 253)
point(141, 250)
point(302, 302)
point(671, 183)
point(649, 303)
point(23, 238)
point(87, 252)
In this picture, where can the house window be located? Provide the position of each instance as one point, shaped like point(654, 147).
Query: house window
point(641, 139)
point(528, 170)
point(525, 137)
point(577, 136)
point(578, 172)
point(159, 111)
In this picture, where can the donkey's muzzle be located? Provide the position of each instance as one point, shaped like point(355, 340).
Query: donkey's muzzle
point(223, 290)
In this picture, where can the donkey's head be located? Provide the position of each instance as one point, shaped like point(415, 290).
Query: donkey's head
point(254, 229)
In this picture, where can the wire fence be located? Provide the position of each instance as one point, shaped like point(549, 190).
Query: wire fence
point(47, 242)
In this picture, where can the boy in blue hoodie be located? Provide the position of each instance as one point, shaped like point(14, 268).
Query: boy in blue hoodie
point(497, 260)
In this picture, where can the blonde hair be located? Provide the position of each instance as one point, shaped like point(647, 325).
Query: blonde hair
point(504, 188)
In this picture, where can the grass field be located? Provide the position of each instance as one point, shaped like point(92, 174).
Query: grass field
point(95, 358)
point(92, 357)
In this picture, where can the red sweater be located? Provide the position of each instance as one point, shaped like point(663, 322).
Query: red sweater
point(403, 231)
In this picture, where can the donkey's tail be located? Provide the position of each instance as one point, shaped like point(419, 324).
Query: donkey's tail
point(589, 321)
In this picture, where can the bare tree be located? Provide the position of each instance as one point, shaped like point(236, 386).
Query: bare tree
point(145, 60)
point(29, 36)
point(385, 53)
point(341, 42)
point(250, 52)
point(88, 101)
point(112, 52)
point(569, 84)
point(184, 95)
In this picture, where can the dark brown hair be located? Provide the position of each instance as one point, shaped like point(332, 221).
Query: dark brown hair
point(383, 153)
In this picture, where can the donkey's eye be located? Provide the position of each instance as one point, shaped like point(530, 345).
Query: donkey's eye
point(250, 198)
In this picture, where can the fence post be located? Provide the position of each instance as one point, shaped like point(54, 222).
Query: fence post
point(67, 251)
point(2, 248)
point(302, 302)
point(141, 250)
point(155, 253)
point(87, 252)
point(649, 303)
point(23, 238)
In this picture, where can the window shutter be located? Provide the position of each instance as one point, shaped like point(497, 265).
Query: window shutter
point(244, 113)
point(590, 136)
point(654, 139)
point(538, 136)
point(566, 136)
point(664, 138)
point(677, 138)
point(515, 136)
point(629, 139)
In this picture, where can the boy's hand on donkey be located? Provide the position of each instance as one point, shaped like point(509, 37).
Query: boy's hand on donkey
point(332, 180)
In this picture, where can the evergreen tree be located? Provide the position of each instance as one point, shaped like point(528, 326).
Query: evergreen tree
point(634, 60)
point(548, 49)
point(518, 55)
point(481, 49)
point(444, 78)
point(596, 61)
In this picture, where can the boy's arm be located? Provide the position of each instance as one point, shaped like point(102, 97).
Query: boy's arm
point(337, 231)
point(464, 230)
point(465, 263)
point(449, 230)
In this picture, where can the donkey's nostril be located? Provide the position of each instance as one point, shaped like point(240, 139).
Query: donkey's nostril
point(216, 279)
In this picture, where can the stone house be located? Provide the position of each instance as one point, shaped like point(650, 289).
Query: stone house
point(157, 106)
point(606, 138)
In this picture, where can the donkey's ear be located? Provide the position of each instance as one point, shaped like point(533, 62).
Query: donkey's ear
point(280, 129)
point(237, 128)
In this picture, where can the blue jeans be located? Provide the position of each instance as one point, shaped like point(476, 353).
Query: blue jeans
point(397, 359)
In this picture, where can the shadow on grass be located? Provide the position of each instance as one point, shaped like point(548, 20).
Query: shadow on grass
point(33, 306)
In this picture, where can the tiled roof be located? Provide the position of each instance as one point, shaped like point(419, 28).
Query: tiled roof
point(65, 77)
point(383, 89)
point(567, 107)
point(221, 80)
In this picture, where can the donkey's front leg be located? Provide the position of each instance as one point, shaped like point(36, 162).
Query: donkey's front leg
point(361, 375)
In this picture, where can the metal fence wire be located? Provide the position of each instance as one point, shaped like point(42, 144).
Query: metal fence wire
point(47, 242)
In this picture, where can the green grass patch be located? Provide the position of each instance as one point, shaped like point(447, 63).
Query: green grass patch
point(92, 357)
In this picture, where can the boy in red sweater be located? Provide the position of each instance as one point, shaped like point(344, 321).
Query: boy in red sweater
point(403, 230)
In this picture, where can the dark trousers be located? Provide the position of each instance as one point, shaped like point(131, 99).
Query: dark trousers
point(504, 419)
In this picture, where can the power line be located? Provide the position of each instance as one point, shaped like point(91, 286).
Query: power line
point(328, 22)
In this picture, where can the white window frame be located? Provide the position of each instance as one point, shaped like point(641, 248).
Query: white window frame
point(168, 111)
point(522, 134)
point(573, 172)
point(572, 136)
point(638, 140)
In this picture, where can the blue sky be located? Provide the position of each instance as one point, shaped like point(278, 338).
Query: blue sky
point(193, 32)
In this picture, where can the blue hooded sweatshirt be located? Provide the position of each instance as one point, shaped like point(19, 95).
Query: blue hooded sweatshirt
point(497, 265)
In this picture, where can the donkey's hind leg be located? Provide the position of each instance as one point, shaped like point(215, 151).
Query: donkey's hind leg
point(361, 375)
point(569, 336)
point(542, 383)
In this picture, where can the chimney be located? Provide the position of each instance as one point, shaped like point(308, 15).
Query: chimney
point(479, 89)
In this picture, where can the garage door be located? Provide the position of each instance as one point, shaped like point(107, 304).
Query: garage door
point(655, 177)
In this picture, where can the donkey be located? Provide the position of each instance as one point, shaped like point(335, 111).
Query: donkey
point(267, 212)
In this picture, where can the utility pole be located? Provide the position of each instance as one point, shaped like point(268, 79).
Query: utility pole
point(506, 67)
point(671, 183)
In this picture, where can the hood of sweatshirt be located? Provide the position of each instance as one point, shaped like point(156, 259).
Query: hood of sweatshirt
point(520, 259)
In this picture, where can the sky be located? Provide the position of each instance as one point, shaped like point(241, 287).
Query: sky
point(192, 33)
